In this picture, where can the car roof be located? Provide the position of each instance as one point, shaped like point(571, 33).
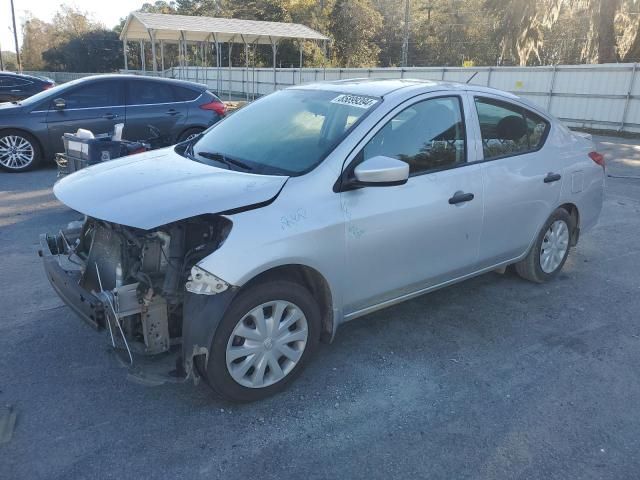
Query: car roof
point(120, 76)
point(379, 87)
point(23, 75)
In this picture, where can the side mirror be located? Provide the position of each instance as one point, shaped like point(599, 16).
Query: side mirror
point(381, 171)
point(59, 103)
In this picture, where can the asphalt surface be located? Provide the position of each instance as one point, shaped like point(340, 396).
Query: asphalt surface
point(492, 378)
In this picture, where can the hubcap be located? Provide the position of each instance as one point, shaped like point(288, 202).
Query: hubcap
point(15, 152)
point(554, 246)
point(266, 344)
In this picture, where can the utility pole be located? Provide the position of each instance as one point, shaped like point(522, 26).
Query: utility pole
point(405, 40)
point(15, 36)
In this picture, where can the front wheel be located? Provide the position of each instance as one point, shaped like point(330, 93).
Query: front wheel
point(551, 249)
point(19, 151)
point(263, 341)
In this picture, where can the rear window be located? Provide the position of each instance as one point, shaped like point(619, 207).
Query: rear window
point(508, 129)
point(14, 82)
point(185, 94)
point(142, 92)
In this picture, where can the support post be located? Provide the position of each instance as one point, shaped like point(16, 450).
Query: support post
point(142, 59)
point(230, 43)
point(632, 80)
point(301, 45)
point(245, 74)
point(152, 37)
point(489, 77)
point(183, 41)
point(274, 48)
point(162, 55)
point(124, 53)
point(551, 85)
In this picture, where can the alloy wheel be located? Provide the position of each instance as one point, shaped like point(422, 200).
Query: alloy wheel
point(554, 246)
point(266, 344)
point(16, 152)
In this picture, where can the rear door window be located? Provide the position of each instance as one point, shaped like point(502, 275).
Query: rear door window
point(508, 129)
point(184, 94)
point(94, 95)
point(142, 92)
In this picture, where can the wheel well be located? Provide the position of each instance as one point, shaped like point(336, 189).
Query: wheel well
point(572, 210)
point(313, 281)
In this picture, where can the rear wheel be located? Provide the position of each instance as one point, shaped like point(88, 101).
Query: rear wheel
point(19, 151)
point(189, 134)
point(551, 249)
point(263, 341)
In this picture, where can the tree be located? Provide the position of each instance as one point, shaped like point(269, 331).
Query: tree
point(36, 37)
point(92, 51)
point(354, 25)
point(9, 60)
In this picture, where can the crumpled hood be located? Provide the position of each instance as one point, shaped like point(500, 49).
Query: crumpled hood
point(159, 187)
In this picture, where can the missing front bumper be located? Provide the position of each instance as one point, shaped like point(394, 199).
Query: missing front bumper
point(66, 284)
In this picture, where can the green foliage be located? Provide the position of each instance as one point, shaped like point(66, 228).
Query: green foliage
point(92, 51)
point(367, 33)
point(9, 61)
point(354, 25)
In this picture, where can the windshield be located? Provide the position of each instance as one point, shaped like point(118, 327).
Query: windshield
point(285, 133)
point(52, 92)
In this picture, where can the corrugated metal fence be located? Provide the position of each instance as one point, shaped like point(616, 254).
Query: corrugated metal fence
point(588, 96)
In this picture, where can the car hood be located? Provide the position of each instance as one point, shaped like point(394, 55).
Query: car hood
point(159, 187)
point(8, 108)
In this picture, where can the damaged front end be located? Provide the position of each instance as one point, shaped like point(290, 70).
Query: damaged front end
point(135, 283)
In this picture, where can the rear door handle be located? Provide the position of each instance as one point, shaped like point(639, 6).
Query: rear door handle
point(172, 112)
point(110, 116)
point(460, 197)
point(552, 177)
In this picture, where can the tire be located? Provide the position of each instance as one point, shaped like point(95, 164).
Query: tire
point(189, 133)
point(228, 342)
point(534, 266)
point(19, 151)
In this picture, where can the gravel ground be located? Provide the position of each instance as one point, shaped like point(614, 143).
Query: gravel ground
point(491, 378)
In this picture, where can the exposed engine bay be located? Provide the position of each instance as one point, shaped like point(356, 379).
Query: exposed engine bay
point(140, 277)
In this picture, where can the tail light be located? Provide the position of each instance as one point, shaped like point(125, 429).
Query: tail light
point(597, 158)
point(217, 106)
point(47, 86)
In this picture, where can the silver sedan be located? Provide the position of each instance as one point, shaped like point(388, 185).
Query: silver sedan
point(239, 250)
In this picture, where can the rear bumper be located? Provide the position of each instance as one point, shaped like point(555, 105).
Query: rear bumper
point(66, 284)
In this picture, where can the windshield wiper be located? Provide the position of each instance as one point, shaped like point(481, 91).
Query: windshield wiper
point(218, 157)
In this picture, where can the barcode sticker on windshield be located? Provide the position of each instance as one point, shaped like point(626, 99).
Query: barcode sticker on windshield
point(355, 101)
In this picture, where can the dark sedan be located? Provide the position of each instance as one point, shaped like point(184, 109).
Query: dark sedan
point(31, 130)
point(16, 86)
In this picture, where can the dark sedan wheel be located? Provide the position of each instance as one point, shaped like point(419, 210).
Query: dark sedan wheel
point(19, 151)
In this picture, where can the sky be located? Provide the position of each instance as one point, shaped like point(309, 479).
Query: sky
point(108, 12)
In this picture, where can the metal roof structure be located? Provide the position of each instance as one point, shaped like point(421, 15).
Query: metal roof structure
point(209, 33)
point(140, 25)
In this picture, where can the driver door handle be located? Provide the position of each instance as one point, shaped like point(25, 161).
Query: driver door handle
point(552, 177)
point(110, 116)
point(461, 197)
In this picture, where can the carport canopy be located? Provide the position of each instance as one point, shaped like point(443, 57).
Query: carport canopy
point(140, 26)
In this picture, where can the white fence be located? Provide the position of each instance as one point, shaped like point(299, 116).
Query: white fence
point(603, 97)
